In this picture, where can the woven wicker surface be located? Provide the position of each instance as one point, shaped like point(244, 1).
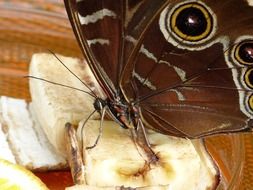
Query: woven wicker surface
point(28, 27)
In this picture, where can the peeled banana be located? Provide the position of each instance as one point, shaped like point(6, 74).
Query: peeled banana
point(116, 162)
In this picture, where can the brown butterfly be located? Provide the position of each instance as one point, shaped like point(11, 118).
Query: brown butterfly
point(180, 67)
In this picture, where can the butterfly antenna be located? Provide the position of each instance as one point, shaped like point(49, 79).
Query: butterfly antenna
point(59, 84)
point(103, 111)
point(73, 73)
point(82, 129)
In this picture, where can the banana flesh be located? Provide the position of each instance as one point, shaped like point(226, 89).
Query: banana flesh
point(116, 160)
point(54, 105)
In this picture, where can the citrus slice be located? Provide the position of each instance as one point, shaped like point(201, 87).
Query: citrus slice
point(15, 177)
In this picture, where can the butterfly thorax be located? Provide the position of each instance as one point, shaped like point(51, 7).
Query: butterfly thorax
point(122, 112)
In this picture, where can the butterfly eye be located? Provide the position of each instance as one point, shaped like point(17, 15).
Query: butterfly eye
point(191, 22)
point(248, 77)
point(244, 53)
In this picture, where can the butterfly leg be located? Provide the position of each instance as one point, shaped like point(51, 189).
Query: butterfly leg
point(82, 129)
point(140, 138)
point(100, 128)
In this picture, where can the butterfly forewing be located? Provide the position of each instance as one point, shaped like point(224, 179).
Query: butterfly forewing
point(103, 30)
point(98, 26)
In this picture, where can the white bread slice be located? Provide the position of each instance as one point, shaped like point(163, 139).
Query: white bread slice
point(27, 143)
point(115, 161)
point(55, 105)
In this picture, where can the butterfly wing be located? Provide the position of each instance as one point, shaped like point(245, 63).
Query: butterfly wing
point(100, 27)
point(188, 87)
point(183, 88)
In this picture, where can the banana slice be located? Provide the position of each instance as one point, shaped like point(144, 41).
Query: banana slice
point(87, 187)
point(5, 151)
point(54, 105)
point(22, 139)
point(115, 161)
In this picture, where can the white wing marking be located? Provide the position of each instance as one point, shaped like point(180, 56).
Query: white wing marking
point(144, 81)
point(98, 41)
point(96, 16)
point(180, 96)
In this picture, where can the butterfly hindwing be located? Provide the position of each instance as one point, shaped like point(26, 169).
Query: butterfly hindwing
point(186, 88)
point(175, 60)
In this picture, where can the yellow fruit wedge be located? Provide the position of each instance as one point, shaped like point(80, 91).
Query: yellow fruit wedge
point(15, 177)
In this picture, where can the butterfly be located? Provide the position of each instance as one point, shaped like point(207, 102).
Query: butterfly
point(179, 67)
